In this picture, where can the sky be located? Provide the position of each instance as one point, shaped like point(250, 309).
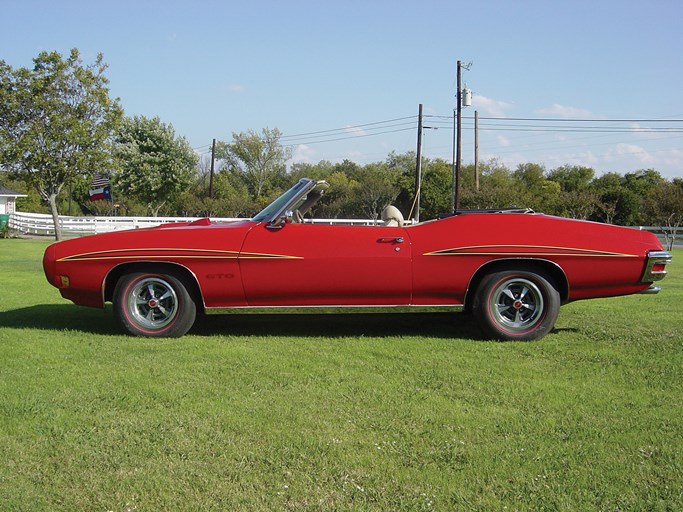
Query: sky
point(556, 82)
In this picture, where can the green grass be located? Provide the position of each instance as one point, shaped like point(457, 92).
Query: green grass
point(337, 412)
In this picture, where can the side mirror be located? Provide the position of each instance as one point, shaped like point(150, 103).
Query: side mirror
point(280, 222)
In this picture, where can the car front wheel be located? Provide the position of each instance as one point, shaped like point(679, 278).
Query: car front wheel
point(516, 305)
point(153, 305)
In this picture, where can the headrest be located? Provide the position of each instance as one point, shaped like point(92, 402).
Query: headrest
point(392, 216)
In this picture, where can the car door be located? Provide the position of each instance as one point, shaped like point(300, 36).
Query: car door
point(312, 264)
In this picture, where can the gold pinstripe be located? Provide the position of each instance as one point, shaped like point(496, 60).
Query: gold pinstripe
point(118, 254)
point(530, 250)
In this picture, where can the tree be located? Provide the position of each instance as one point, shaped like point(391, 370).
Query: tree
point(347, 167)
point(607, 181)
point(578, 204)
point(499, 189)
point(435, 197)
point(664, 207)
point(319, 171)
point(535, 190)
point(259, 159)
point(56, 123)
point(620, 206)
point(617, 204)
point(378, 189)
point(530, 175)
point(642, 181)
point(339, 200)
point(156, 166)
point(572, 178)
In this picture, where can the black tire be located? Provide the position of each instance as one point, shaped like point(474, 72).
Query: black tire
point(516, 305)
point(153, 305)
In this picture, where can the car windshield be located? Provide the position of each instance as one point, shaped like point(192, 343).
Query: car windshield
point(276, 206)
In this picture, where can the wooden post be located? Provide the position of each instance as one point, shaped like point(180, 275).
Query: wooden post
point(213, 159)
point(418, 165)
point(459, 139)
point(476, 149)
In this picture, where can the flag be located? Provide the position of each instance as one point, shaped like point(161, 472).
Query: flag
point(100, 188)
point(100, 193)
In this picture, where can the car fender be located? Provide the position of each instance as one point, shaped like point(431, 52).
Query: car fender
point(552, 268)
point(179, 270)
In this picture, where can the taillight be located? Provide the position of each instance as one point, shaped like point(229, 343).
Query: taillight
point(655, 266)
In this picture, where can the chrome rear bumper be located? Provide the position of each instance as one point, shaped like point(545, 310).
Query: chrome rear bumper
point(652, 290)
point(655, 263)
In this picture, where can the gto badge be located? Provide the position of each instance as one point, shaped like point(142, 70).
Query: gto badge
point(220, 276)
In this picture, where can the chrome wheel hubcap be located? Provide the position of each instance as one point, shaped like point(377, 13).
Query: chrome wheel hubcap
point(516, 304)
point(152, 302)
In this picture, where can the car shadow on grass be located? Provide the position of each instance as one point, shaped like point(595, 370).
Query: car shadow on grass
point(433, 325)
point(60, 317)
point(69, 317)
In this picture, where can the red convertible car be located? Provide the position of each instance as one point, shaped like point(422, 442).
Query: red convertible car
point(512, 269)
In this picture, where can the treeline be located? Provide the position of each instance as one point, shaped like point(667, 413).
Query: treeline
point(239, 189)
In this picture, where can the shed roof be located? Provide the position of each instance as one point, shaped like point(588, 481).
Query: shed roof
point(4, 191)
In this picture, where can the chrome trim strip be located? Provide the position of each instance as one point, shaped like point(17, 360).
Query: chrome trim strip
point(655, 258)
point(319, 310)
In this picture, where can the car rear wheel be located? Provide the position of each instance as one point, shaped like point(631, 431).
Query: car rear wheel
point(153, 305)
point(516, 305)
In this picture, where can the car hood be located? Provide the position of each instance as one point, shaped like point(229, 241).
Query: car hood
point(202, 234)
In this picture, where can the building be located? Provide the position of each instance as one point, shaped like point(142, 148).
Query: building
point(8, 200)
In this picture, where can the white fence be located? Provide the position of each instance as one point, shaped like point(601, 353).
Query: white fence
point(41, 224)
point(669, 237)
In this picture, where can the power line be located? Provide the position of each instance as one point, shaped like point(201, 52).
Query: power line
point(347, 128)
point(394, 125)
point(308, 142)
point(531, 125)
point(527, 148)
point(568, 120)
point(355, 132)
point(582, 129)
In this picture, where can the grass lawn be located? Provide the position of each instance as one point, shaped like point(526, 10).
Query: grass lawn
point(373, 412)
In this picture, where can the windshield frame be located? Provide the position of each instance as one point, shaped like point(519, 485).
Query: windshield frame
point(283, 203)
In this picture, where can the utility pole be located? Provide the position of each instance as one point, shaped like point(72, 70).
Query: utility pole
point(458, 150)
point(213, 159)
point(457, 142)
point(418, 165)
point(453, 178)
point(476, 149)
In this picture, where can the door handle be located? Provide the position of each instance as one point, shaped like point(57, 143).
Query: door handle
point(391, 240)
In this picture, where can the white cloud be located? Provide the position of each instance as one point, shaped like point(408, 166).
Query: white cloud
point(303, 154)
point(634, 151)
point(356, 156)
point(565, 112)
point(235, 88)
point(647, 132)
point(503, 141)
point(674, 157)
point(496, 108)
